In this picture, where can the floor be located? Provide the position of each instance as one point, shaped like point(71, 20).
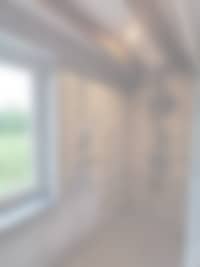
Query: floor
point(130, 241)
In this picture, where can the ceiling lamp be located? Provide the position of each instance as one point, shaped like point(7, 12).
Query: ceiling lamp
point(133, 35)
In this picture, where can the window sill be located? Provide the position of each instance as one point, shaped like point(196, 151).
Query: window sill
point(26, 212)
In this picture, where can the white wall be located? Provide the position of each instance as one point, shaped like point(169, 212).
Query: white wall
point(192, 255)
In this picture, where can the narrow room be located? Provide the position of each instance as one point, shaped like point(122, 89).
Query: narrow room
point(99, 133)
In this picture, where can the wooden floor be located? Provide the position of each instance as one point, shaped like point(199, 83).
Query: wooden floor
point(130, 241)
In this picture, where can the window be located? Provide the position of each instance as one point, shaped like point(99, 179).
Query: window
point(16, 131)
point(27, 135)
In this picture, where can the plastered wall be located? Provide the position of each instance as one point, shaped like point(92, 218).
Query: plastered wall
point(95, 116)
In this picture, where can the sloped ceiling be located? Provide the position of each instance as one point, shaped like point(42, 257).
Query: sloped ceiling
point(112, 14)
point(164, 24)
point(131, 31)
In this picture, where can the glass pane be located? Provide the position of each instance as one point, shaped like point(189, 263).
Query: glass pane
point(16, 105)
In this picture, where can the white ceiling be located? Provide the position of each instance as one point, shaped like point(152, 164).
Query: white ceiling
point(113, 14)
point(164, 24)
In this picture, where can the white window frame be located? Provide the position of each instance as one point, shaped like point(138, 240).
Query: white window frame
point(24, 205)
